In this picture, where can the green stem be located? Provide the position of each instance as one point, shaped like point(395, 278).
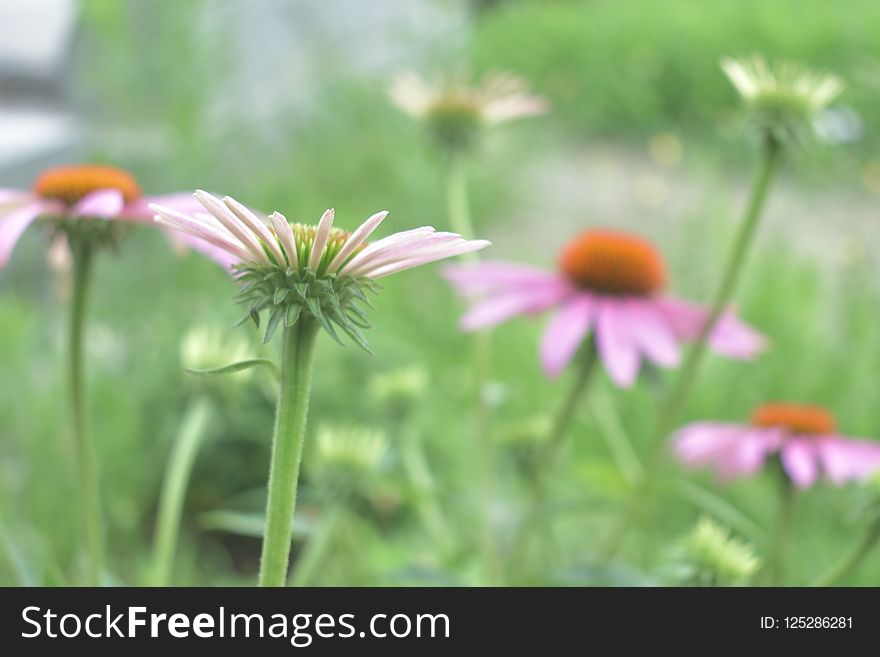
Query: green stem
point(84, 446)
point(674, 404)
point(297, 359)
point(457, 202)
point(174, 486)
point(547, 454)
point(313, 554)
point(782, 536)
point(850, 563)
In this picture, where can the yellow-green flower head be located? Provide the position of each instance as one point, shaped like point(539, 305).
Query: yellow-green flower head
point(210, 347)
point(783, 100)
point(346, 459)
point(719, 559)
point(455, 108)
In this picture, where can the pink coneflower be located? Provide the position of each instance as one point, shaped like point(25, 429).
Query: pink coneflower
point(287, 268)
point(804, 436)
point(87, 192)
point(608, 283)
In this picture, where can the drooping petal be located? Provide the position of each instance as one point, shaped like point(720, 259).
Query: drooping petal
point(565, 333)
point(800, 461)
point(221, 255)
point(499, 308)
point(201, 229)
point(733, 450)
point(456, 248)
point(104, 203)
point(615, 342)
point(730, 337)
point(234, 225)
point(286, 236)
point(256, 225)
point(652, 333)
point(475, 279)
point(747, 454)
point(844, 459)
point(356, 239)
point(376, 249)
point(13, 224)
point(321, 235)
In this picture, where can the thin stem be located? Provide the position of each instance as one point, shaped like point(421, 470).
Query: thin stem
point(316, 549)
point(782, 536)
point(174, 486)
point(86, 459)
point(850, 563)
point(297, 360)
point(547, 454)
point(674, 404)
point(457, 199)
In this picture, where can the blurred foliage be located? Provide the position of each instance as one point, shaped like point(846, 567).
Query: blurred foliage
point(155, 80)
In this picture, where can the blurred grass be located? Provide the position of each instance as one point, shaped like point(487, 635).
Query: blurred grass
point(647, 68)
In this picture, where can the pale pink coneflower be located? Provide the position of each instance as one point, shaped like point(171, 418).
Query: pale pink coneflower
point(805, 438)
point(609, 285)
point(290, 268)
point(74, 197)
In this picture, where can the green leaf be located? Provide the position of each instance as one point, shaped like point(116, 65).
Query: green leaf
point(237, 367)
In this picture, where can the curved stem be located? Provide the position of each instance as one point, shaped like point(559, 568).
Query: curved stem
point(850, 563)
point(84, 446)
point(674, 404)
point(297, 359)
point(547, 454)
point(315, 550)
point(174, 486)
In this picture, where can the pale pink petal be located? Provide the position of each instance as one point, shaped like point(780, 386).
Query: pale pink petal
point(565, 333)
point(844, 459)
point(221, 255)
point(234, 225)
point(321, 235)
point(747, 454)
point(800, 461)
point(357, 238)
point(448, 251)
point(104, 203)
point(702, 443)
point(201, 229)
point(376, 248)
point(256, 225)
point(615, 342)
point(140, 210)
point(13, 224)
point(652, 333)
point(475, 279)
point(16, 196)
point(286, 236)
point(405, 251)
point(496, 309)
point(730, 337)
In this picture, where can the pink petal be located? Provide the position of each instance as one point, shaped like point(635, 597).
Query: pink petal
point(13, 224)
point(614, 340)
point(565, 333)
point(357, 238)
point(747, 454)
point(376, 249)
point(104, 203)
point(844, 459)
point(486, 277)
point(652, 333)
point(458, 247)
point(287, 238)
point(701, 443)
point(325, 225)
point(799, 459)
point(496, 309)
point(730, 337)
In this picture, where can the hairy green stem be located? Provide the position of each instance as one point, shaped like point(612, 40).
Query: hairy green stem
point(174, 486)
point(851, 562)
point(297, 361)
point(547, 455)
point(313, 554)
point(86, 458)
point(674, 403)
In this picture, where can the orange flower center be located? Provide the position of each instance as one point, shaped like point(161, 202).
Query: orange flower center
point(797, 418)
point(70, 183)
point(613, 263)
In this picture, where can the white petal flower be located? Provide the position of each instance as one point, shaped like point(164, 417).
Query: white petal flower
point(289, 269)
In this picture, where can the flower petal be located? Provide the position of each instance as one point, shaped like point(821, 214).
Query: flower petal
point(799, 459)
point(256, 225)
point(13, 224)
point(614, 340)
point(566, 332)
point(459, 247)
point(199, 228)
point(321, 235)
point(474, 279)
point(356, 239)
point(104, 203)
point(286, 236)
point(234, 225)
point(498, 308)
point(652, 333)
point(730, 337)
